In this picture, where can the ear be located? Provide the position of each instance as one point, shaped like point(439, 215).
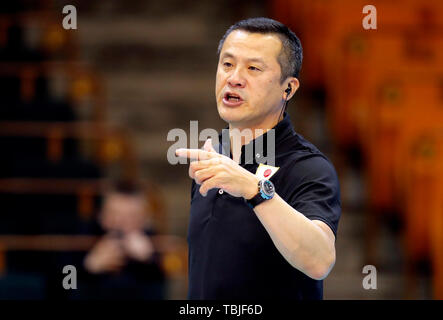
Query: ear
point(294, 85)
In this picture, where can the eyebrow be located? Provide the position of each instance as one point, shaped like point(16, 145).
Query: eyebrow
point(230, 55)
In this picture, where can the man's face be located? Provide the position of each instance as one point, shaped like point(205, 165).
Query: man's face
point(248, 89)
point(124, 213)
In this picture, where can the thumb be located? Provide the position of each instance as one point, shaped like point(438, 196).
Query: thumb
point(208, 146)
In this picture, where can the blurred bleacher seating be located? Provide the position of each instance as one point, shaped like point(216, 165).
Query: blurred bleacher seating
point(382, 91)
point(58, 153)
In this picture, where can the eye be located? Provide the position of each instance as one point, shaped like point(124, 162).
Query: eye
point(227, 64)
point(254, 68)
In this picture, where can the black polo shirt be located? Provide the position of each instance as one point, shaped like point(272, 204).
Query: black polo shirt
point(231, 255)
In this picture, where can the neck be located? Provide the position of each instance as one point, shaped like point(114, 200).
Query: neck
point(241, 135)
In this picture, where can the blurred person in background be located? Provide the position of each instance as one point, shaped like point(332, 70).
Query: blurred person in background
point(124, 263)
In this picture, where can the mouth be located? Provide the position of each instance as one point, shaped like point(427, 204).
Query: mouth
point(232, 99)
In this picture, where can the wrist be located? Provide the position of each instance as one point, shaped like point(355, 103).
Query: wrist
point(252, 189)
point(265, 192)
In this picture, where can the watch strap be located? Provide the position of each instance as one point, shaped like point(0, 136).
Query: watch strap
point(258, 198)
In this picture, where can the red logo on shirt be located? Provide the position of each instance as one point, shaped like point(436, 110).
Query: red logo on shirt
point(267, 173)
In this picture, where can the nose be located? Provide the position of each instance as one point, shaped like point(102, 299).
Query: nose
point(236, 80)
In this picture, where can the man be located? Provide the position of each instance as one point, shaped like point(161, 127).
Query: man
point(252, 233)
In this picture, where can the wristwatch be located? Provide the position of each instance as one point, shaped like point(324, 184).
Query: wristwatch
point(266, 191)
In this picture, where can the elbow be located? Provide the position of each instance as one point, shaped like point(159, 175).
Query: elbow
point(321, 269)
point(320, 273)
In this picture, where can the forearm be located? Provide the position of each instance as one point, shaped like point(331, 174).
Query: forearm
point(301, 242)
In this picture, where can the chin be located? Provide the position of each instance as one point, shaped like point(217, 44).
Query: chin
point(230, 115)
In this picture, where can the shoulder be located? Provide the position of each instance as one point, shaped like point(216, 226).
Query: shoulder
point(305, 161)
point(316, 165)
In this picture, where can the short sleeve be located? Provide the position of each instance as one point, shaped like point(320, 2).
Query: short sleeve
point(315, 191)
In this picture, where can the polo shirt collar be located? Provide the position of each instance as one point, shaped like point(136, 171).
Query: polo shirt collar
point(282, 130)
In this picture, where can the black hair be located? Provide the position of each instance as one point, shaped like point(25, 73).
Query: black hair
point(291, 55)
point(126, 187)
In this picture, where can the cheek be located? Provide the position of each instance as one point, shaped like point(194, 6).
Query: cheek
point(262, 90)
point(219, 82)
point(217, 88)
point(111, 221)
point(266, 93)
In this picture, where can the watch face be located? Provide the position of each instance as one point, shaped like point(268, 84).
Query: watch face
point(268, 188)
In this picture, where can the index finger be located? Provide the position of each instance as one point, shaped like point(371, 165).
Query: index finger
point(196, 154)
